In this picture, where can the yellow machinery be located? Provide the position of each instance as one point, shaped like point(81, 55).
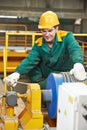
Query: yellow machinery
point(30, 118)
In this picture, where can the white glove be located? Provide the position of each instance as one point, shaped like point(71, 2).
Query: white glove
point(12, 79)
point(78, 71)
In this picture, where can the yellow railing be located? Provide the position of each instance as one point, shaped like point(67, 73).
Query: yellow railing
point(83, 46)
point(8, 54)
point(22, 33)
point(14, 54)
point(34, 34)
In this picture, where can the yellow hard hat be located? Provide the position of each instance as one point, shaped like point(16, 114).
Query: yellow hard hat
point(48, 20)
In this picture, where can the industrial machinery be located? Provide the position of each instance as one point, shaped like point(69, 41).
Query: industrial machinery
point(72, 107)
point(53, 83)
point(31, 117)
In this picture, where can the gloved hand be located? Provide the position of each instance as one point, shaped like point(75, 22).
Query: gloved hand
point(79, 72)
point(12, 79)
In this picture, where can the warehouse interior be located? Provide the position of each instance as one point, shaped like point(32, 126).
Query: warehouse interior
point(18, 32)
point(72, 15)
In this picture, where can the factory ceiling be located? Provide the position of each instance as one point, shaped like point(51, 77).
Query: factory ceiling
point(34, 8)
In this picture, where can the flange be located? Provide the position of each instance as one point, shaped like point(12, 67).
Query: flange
point(53, 82)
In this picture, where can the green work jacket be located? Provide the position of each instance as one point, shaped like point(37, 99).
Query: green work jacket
point(42, 60)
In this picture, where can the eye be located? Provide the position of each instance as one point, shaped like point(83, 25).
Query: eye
point(44, 31)
point(50, 30)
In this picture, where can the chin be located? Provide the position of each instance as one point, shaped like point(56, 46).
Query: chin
point(48, 40)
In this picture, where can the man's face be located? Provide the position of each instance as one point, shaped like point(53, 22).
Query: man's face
point(49, 34)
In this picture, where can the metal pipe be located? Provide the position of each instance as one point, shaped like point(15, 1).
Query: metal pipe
point(46, 94)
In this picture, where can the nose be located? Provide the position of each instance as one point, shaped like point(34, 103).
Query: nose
point(47, 33)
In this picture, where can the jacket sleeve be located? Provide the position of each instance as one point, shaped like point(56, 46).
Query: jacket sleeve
point(29, 62)
point(74, 48)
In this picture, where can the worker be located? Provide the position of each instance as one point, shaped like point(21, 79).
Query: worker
point(54, 52)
